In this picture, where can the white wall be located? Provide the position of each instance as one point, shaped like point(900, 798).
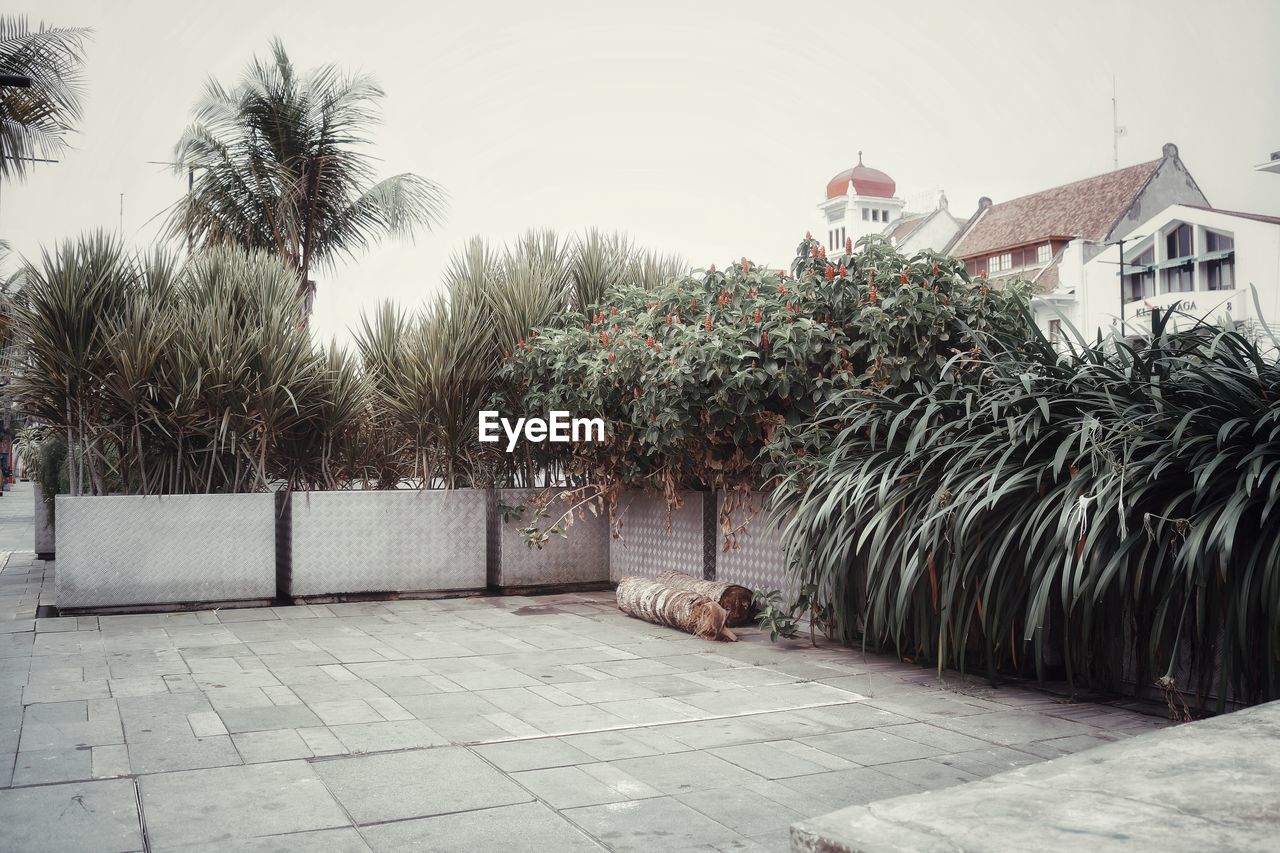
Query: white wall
point(934, 234)
point(849, 216)
point(1091, 289)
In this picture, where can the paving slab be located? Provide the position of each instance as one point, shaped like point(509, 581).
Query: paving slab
point(461, 719)
point(747, 812)
point(53, 765)
point(584, 785)
point(1210, 785)
point(643, 826)
point(344, 840)
point(534, 754)
point(164, 752)
point(421, 783)
point(99, 816)
point(525, 828)
point(229, 805)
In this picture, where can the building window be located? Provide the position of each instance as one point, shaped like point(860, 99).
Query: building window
point(1055, 330)
point(884, 215)
point(843, 239)
point(1215, 242)
point(1044, 253)
point(866, 214)
point(999, 263)
point(1177, 280)
point(1141, 283)
point(1220, 273)
point(1177, 243)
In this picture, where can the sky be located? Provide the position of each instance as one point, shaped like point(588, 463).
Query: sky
point(700, 127)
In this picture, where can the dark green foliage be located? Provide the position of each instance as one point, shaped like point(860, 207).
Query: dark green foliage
point(1082, 507)
point(696, 376)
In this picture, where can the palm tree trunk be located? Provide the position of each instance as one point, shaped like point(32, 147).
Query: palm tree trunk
point(307, 300)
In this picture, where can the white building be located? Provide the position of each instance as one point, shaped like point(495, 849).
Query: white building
point(1202, 259)
point(1065, 239)
point(863, 200)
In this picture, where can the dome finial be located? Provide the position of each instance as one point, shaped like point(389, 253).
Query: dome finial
point(859, 158)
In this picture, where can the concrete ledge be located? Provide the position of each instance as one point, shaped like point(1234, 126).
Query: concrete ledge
point(1210, 785)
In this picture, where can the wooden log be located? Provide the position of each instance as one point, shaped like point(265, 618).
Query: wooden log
point(735, 599)
point(652, 601)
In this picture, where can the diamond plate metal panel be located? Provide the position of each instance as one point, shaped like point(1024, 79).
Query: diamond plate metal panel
point(44, 542)
point(172, 549)
point(758, 560)
point(582, 556)
point(648, 545)
point(388, 541)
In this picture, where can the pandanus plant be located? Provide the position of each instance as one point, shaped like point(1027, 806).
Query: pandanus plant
point(178, 377)
point(431, 373)
point(1084, 508)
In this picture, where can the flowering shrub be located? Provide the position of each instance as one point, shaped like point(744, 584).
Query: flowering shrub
point(695, 377)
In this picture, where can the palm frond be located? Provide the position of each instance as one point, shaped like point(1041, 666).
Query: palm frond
point(35, 121)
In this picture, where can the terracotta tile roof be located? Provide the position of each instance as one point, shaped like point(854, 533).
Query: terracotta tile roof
point(1046, 278)
point(901, 230)
point(1087, 208)
point(1047, 281)
point(1257, 217)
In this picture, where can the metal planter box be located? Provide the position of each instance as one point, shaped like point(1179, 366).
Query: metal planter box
point(396, 541)
point(134, 550)
point(755, 558)
point(653, 540)
point(44, 541)
point(578, 559)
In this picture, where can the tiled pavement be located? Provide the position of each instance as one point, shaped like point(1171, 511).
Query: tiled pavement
point(549, 723)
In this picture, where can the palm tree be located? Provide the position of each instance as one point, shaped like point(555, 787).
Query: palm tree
point(35, 119)
point(279, 162)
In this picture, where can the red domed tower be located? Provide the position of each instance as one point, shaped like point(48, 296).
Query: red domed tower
point(858, 201)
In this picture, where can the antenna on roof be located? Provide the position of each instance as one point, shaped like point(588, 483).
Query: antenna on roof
point(1117, 130)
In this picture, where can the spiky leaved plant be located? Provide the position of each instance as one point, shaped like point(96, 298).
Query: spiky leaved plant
point(1111, 509)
